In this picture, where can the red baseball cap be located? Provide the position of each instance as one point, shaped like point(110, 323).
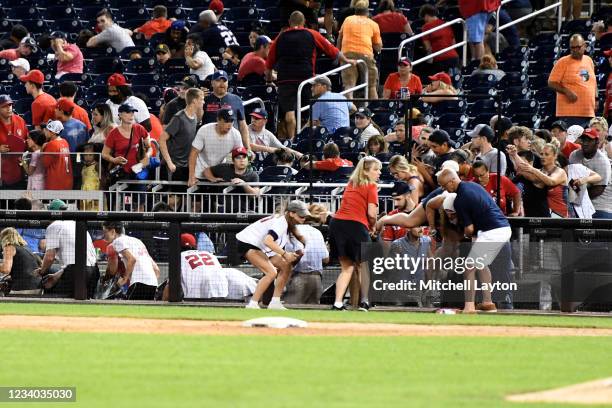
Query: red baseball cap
point(239, 151)
point(216, 6)
point(590, 133)
point(442, 76)
point(608, 53)
point(188, 240)
point(65, 105)
point(35, 76)
point(117, 80)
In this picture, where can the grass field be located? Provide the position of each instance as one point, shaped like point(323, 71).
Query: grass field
point(146, 370)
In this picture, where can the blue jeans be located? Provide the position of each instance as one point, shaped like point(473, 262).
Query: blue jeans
point(602, 215)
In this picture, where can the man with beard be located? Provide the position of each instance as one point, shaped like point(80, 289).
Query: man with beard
point(13, 133)
point(221, 99)
point(119, 93)
point(212, 143)
point(175, 39)
point(403, 203)
point(573, 79)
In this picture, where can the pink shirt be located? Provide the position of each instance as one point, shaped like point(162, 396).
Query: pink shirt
point(75, 65)
point(9, 54)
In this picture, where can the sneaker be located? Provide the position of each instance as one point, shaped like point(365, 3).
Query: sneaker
point(364, 307)
point(486, 307)
point(252, 306)
point(276, 306)
point(343, 308)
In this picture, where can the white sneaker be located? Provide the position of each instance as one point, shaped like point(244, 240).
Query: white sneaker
point(252, 306)
point(276, 306)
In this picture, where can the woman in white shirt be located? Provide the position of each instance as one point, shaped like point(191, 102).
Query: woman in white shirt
point(198, 61)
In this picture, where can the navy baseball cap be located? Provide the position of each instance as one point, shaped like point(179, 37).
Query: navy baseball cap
point(227, 115)
point(260, 113)
point(439, 136)
point(220, 74)
point(5, 100)
point(262, 40)
point(126, 107)
point(177, 25)
point(559, 124)
point(401, 188)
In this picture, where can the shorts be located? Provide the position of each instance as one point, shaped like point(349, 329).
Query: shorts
point(346, 237)
point(287, 97)
point(476, 25)
point(488, 244)
point(242, 248)
point(351, 75)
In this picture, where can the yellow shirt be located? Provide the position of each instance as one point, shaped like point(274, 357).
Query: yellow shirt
point(359, 33)
point(579, 77)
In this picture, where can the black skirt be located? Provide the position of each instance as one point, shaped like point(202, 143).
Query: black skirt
point(346, 238)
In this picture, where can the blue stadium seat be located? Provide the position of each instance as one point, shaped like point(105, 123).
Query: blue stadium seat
point(22, 13)
point(35, 26)
point(526, 119)
point(385, 119)
point(576, 27)
point(481, 118)
point(68, 25)
point(275, 174)
point(241, 13)
point(23, 105)
point(339, 176)
point(146, 79)
point(105, 65)
point(18, 91)
point(456, 134)
point(515, 92)
point(151, 91)
point(140, 66)
point(451, 106)
point(129, 13)
point(482, 106)
point(59, 12)
point(303, 146)
point(96, 92)
point(95, 53)
point(513, 79)
point(523, 106)
point(231, 4)
point(477, 94)
point(479, 81)
point(451, 120)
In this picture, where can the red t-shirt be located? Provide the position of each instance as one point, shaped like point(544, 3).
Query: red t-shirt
point(11, 172)
point(470, 7)
point(332, 164)
point(251, 64)
point(156, 131)
point(9, 54)
point(119, 144)
point(440, 39)
point(393, 232)
point(569, 148)
point(355, 200)
point(507, 189)
point(81, 114)
point(393, 22)
point(58, 167)
point(393, 84)
point(43, 109)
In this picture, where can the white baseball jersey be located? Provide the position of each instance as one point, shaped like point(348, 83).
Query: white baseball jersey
point(255, 233)
point(143, 269)
point(60, 236)
point(239, 284)
point(202, 276)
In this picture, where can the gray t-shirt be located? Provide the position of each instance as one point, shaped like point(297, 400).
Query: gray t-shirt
point(213, 147)
point(227, 173)
point(600, 165)
point(182, 130)
point(117, 37)
point(490, 159)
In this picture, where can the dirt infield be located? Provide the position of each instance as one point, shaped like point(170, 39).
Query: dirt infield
point(202, 327)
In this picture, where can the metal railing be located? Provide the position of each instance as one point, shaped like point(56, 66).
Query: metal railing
point(255, 100)
point(440, 52)
point(364, 86)
point(529, 16)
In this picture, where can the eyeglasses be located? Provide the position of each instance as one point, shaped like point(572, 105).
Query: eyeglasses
point(576, 47)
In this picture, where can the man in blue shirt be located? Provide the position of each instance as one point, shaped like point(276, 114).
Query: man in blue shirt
point(480, 216)
point(331, 115)
point(75, 131)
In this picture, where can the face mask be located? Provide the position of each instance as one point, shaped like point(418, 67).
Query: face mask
point(116, 99)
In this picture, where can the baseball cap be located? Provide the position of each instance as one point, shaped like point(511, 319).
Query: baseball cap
point(227, 115)
point(58, 34)
point(57, 205)
point(30, 42)
point(442, 76)
point(65, 105)
point(483, 130)
point(54, 126)
point(324, 81)
point(216, 6)
point(439, 136)
point(559, 124)
point(163, 48)
point(262, 40)
point(188, 240)
point(449, 164)
point(260, 113)
point(503, 124)
point(189, 82)
point(574, 132)
point(116, 80)
point(5, 100)
point(239, 151)
point(298, 207)
point(365, 112)
point(177, 25)
point(220, 74)
point(401, 188)
point(404, 62)
point(126, 107)
point(608, 53)
point(21, 62)
point(34, 76)
point(590, 133)
point(449, 202)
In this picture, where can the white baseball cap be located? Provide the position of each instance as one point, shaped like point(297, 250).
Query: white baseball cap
point(449, 202)
point(21, 62)
point(574, 132)
point(55, 126)
point(449, 164)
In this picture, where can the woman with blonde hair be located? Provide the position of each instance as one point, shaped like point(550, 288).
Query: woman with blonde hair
point(600, 124)
point(19, 262)
point(350, 227)
point(404, 171)
point(488, 66)
point(440, 89)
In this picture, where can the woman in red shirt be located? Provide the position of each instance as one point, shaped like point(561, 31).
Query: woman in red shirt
point(507, 189)
point(403, 78)
point(351, 224)
point(121, 145)
point(391, 21)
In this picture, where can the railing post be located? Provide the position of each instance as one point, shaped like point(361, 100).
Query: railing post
point(567, 303)
point(80, 260)
point(174, 262)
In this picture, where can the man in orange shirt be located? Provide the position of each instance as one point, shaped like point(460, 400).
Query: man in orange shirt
point(56, 158)
point(359, 38)
point(13, 132)
point(159, 23)
point(43, 107)
point(573, 78)
point(68, 90)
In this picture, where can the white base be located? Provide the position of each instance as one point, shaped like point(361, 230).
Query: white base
point(275, 322)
